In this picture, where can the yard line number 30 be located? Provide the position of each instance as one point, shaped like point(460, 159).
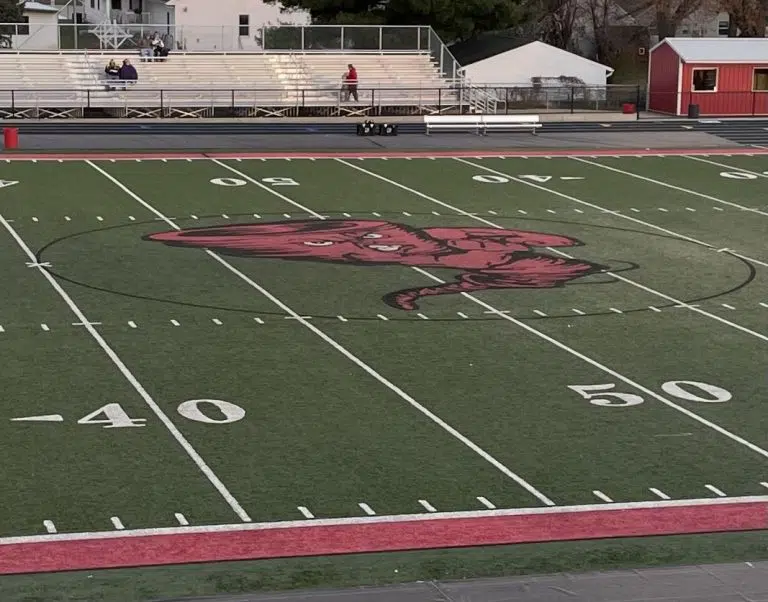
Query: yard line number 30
point(688, 390)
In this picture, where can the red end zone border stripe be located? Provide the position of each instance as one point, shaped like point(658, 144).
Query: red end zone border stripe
point(127, 156)
point(151, 547)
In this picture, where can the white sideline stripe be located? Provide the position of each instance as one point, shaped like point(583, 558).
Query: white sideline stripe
point(117, 523)
point(683, 410)
point(485, 502)
point(659, 493)
point(715, 490)
point(652, 308)
point(396, 518)
point(764, 484)
point(367, 509)
point(538, 312)
point(305, 511)
point(330, 341)
point(360, 363)
point(647, 289)
point(49, 526)
point(578, 311)
point(427, 506)
point(602, 496)
point(672, 186)
point(182, 520)
point(342, 318)
point(462, 314)
point(603, 209)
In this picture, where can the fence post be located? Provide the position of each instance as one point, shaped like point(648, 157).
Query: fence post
point(342, 38)
point(13, 102)
point(637, 102)
point(381, 38)
point(88, 98)
point(303, 39)
point(162, 104)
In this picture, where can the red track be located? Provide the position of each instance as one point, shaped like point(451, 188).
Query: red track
point(102, 156)
point(377, 534)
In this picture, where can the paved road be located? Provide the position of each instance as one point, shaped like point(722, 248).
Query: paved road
point(743, 582)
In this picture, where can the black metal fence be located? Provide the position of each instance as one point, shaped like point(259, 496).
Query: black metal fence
point(372, 100)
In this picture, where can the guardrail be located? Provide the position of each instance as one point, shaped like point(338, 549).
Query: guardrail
point(310, 101)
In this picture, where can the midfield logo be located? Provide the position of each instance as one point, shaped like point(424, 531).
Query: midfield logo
point(488, 258)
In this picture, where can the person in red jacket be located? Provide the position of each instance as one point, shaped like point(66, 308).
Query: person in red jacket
point(351, 83)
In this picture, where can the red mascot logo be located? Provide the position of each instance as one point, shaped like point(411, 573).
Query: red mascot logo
point(487, 258)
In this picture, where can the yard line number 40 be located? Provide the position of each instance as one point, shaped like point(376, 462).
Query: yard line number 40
point(113, 416)
point(689, 390)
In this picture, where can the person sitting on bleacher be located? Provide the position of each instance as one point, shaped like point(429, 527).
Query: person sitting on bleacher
point(112, 70)
point(145, 49)
point(160, 51)
point(128, 73)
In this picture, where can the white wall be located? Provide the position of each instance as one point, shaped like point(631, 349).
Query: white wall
point(518, 66)
point(43, 32)
point(214, 24)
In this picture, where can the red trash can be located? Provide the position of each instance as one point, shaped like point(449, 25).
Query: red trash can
point(628, 108)
point(11, 138)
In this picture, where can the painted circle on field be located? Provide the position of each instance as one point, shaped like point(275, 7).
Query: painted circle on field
point(228, 182)
point(131, 259)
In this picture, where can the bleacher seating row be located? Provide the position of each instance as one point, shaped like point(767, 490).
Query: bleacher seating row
point(209, 79)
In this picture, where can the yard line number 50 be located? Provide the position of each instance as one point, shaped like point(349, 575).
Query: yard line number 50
point(603, 395)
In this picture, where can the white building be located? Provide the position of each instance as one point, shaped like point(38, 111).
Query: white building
point(215, 25)
point(525, 65)
point(40, 30)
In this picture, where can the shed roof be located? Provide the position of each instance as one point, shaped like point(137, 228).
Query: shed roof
point(719, 50)
point(38, 7)
point(542, 47)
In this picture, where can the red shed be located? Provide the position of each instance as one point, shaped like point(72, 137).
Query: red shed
point(723, 76)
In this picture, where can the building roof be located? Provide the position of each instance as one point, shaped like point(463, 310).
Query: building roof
point(719, 50)
point(38, 7)
point(482, 47)
point(553, 49)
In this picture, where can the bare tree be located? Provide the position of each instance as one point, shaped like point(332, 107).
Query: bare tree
point(747, 17)
point(558, 22)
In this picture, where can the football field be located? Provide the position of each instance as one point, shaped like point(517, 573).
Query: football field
point(192, 343)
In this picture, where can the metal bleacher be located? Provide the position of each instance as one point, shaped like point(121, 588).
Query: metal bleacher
point(69, 83)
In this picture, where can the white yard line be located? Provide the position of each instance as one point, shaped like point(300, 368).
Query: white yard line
point(683, 410)
point(629, 281)
point(384, 519)
point(128, 375)
point(600, 495)
point(672, 186)
point(330, 341)
point(732, 167)
point(573, 199)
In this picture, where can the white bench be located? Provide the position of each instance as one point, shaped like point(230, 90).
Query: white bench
point(480, 124)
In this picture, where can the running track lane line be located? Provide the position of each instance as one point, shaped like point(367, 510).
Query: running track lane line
point(197, 156)
point(563, 346)
point(672, 186)
point(174, 545)
point(341, 349)
point(648, 289)
point(125, 371)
